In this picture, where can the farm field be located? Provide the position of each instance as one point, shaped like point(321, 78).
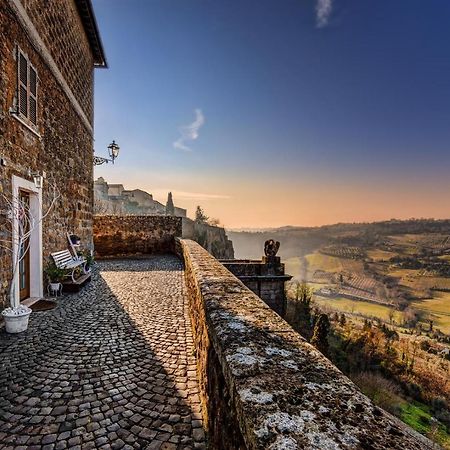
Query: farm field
point(368, 309)
point(378, 255)
point(343, 252)
point(362, 268)
point(439, 309)
point(415, 280)
point(318, 261)
point(360, 282)
point(332, 264)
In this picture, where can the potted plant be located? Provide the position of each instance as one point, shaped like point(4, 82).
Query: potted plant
point(55, 276)
point(16, 319)
point(88, 258)
point(75, 240)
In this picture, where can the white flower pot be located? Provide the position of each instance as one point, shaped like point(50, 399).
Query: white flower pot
point(16, 320)
point(55, 287)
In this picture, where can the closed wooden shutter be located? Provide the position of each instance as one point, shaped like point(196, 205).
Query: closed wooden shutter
point(23, 85)
point(27, 88)
point(33, 95)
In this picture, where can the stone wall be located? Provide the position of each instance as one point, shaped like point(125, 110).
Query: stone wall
point(59, 26)
point(116, 236)
point(61, 145)
point(262, 385)
point(212, 238)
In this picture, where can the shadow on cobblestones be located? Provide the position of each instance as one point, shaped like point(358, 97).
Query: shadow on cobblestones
point(110, 367)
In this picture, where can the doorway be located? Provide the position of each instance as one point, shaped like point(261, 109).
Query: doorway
point(28, 278)
point(24, 265)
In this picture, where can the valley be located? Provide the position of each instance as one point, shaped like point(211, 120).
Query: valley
point(397, 271)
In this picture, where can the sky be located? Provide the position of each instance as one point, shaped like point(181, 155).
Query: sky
point(279, 112)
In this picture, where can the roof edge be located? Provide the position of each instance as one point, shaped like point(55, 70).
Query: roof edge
point(87, 16)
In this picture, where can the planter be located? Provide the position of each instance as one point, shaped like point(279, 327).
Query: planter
point(75, 240)
point(16, 319)
point(54, 289)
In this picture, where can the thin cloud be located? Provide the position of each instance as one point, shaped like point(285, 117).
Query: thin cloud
point(200, 196)
point(190, 132)
point(324, 9)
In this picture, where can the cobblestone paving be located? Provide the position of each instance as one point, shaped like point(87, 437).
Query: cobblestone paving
point(111, 367)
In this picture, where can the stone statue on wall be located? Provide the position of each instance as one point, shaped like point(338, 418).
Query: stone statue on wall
point(271, 248)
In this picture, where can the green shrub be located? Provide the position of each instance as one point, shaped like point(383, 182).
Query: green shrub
point(380, 390)
point(54, 274)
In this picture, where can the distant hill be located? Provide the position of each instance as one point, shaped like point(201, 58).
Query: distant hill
point(298, 241)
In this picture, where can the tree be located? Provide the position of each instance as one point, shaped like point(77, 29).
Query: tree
point(18, 222)
point(200, 216)
point(391, 315)
point(214, 222)
point(320, 334)
point(170, 208)
point(302, 316)
point(367, 325)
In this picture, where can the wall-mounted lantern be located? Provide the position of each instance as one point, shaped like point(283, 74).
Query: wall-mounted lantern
point(113, 150)
point(38, 178)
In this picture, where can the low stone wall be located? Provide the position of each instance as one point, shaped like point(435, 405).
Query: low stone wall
point(116, 236)
point(262, 385)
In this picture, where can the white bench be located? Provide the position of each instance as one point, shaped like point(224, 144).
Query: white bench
point(66, 261)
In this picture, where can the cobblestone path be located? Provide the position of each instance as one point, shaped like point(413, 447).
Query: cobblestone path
point(111, 367)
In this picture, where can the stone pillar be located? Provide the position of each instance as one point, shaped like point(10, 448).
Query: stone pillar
point(266, 278)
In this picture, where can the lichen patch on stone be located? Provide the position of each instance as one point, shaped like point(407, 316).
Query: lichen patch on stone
point(284, 443)
point(243, 356)
point(317, 386)
point(321, 441)
point(255, 395)
point(271, 351)
point(289, 364)
point(237, 326)
point(282, 422)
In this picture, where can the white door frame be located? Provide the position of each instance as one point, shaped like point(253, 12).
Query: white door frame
point(36, 283)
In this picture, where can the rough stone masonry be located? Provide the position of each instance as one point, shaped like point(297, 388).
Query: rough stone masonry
point(52, 36)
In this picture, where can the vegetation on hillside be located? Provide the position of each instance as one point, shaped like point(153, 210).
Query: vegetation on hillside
point(405, 373)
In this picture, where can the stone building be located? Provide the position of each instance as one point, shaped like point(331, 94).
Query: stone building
point(48, 52)
point(115, 199)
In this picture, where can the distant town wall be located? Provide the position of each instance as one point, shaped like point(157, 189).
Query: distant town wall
point(116, 236)
point(212, 238)
point(262, 385)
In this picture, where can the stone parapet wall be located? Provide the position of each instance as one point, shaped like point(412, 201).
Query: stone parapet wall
point(262, 385)
point(116, 236)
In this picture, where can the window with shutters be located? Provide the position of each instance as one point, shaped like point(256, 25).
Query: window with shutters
point(27, 89)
